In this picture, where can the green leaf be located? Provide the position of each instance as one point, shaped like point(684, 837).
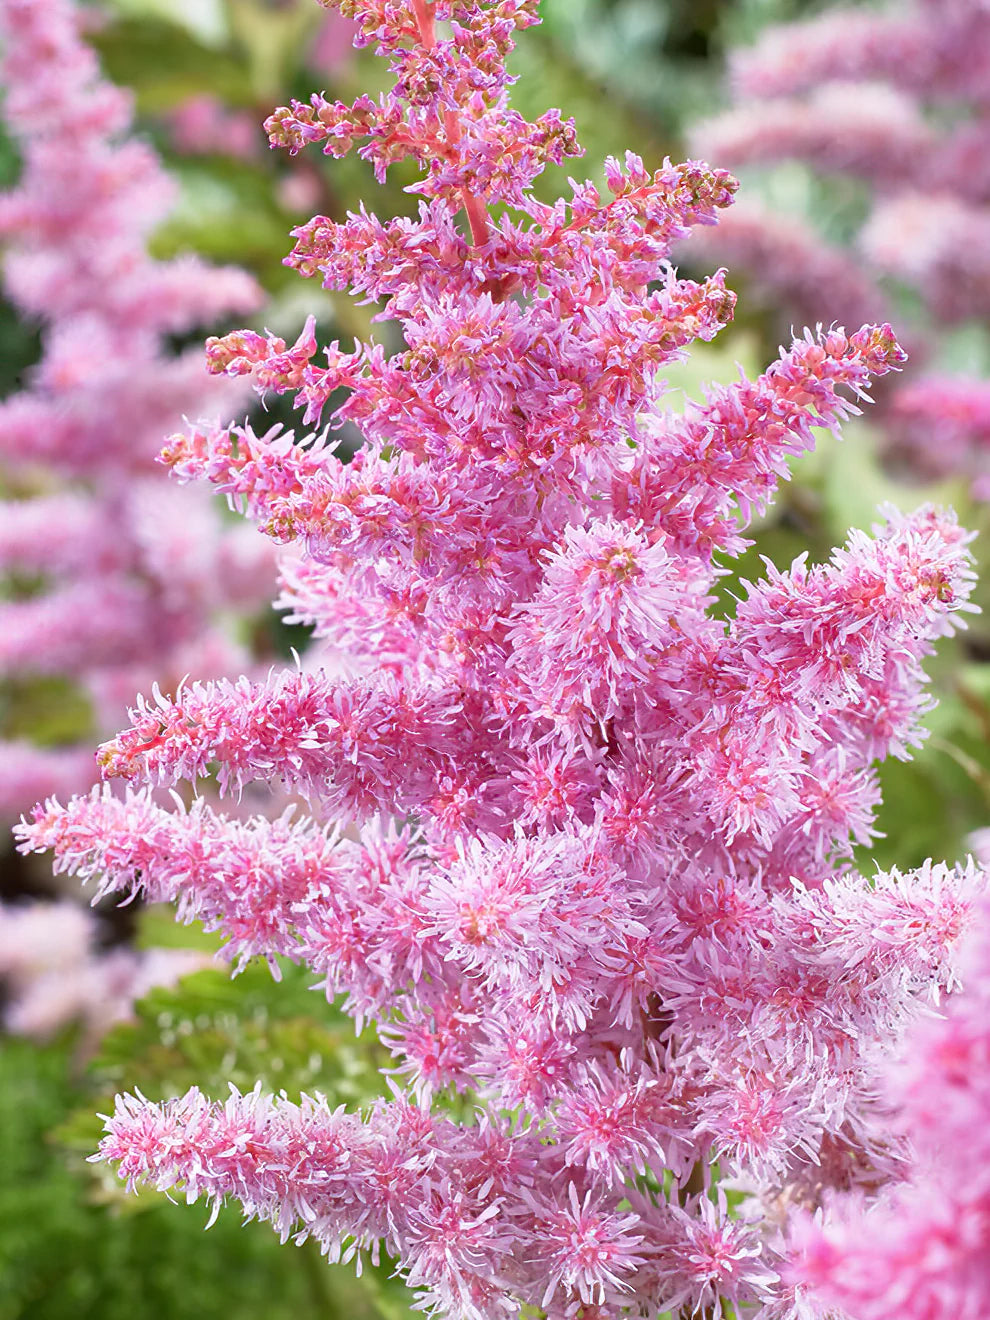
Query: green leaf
point(226, 213)
point(718, 363)
point(271, 38)
point(203, 19)
point(49, 710)
point(164, 63)
point(213, 1030)
point(65, 1254)
point(157, 928)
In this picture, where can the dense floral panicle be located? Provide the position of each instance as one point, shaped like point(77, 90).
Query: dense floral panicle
point(461, 373)
point(849, 45)
point(116, 582)
point(398, 1177)
point(243, 878)
point(51, 533)
point(361, 627)
point(201, 123)
point(718, 1258)
point(915, 237)
point(607, 339)
point(872, 132)
point(268, 886)
point(390, 21)
point(624, 238)
point(546, 922)
point(615, 1119)
point(589, 1251)
point(878, 599)
point(908, 926)
point(91, 623)
point(692, 475)
point(390, 511)
point(251, 470)
point(622, 912)
point(609, 602)
point(417, 532)
point(898, 99)
point(815, 656)
point(447, 110)
point(28, 772)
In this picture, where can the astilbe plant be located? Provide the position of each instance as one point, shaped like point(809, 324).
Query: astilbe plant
point(580, 845)
point(896, 101)
point(111, 578)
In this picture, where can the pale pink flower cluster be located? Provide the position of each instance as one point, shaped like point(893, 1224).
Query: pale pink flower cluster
point(203, 123)
point(924, 1250)
point(53, 972)
point(580, 838)
point(111, 577)
point(897, 100)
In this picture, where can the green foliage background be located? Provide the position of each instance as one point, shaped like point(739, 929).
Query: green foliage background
point(632, 72)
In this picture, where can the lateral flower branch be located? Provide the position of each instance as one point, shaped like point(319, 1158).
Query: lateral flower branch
point(596, 876)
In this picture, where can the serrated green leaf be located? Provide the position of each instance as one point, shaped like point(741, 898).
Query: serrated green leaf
point(211, 1031)
point(72, 1246)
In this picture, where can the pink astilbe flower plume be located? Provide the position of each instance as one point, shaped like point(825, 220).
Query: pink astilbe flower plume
point(896, 100)
point(580, 843)
point(120, 582)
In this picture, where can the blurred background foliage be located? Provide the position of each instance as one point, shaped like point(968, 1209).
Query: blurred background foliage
point(633, 73)
point(73, 1244)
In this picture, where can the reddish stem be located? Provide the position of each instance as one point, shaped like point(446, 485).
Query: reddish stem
point(475, 211)
point(424, 21)
point(477, 218)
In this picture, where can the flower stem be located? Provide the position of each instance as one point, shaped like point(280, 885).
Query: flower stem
point(474, 209)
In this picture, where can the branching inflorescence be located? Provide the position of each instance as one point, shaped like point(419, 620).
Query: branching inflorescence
point(896, 103)
point(596, 873)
